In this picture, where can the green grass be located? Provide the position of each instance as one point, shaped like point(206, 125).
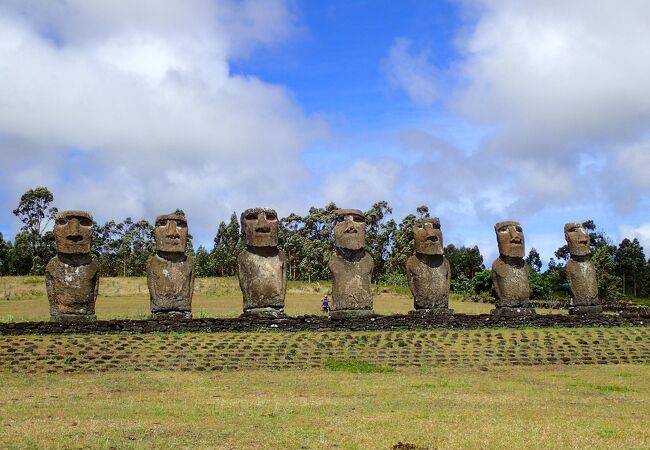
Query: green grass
point(24, 299)
point(354, 366)
point(503, 407)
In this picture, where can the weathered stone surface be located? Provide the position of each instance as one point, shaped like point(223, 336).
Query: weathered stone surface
point(262, 266)
point(510, 271)
point(171, 285)
point(170, 272)
point(580, 271)
point(428, 271)
point(351, 266)
point(72, 276)
point(262, 279)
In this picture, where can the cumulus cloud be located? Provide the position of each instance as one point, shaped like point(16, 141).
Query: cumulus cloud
point(561, 87)
point(411, 72)
point(130, 108)
point(362, 182)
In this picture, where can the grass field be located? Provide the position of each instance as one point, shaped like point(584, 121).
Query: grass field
point(501, 407)
point(487, 388)
point(24, 298)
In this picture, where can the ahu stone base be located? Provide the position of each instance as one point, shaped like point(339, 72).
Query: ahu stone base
point(432, 312)
point(167, 315)
point(265, 312)
point(73, 318)
point(512, 311)
point(347, 313)
point(592, 310)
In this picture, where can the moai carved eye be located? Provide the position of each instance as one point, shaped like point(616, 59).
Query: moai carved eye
point(181, 224)
point(519, 229)
point(85, 222)
point(271, 217)
point(162, 223)
point(251, 216)
point(61, 221)
point(503, 229)
point(358, 219)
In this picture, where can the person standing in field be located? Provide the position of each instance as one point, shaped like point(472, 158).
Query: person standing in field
point(325, 304)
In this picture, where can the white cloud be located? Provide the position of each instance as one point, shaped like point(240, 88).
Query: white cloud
point(561, 87)
point(411, 72)
point(361, 183)
point(141, 93)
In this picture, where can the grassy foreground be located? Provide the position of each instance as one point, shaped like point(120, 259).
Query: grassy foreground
point(533, 407)
point(24, 299)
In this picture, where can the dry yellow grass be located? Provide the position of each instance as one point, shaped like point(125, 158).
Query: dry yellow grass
point(24, 298)
point(533, 407)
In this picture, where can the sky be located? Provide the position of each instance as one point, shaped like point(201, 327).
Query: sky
point(484, 110)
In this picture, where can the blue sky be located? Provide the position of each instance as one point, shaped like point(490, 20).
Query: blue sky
point(484, 110)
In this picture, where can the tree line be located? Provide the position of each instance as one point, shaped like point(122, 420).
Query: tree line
point(123, 247)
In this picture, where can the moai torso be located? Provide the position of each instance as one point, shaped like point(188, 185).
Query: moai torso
point(262, 279)
point(580, 271)
point(583, 282)
point(72, 288)
point(351, 282)
point(429, 280)
point(171, 284)
point(261, 267)
point(511, 282)
point(72, 276)
point(170, 272)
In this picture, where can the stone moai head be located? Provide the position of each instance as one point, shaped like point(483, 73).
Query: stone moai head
point(171, 233)
point(350, 229)
point(577, 238)
point(510, 237)
point(428, 237)
point(73, 232)
point(260, 226)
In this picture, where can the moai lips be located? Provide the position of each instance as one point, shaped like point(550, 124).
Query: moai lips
point(72, 276)
point(580, 271)
point(428, 271)
point(262, 266)
point(351, 266)
point(510, 271)
point(170, 272)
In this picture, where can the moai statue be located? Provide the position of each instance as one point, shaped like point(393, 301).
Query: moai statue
point(510, 272)
point(428, 270)
point(262, 265)
point(351, 266)
point(581, 272)
point(72, 276)
point(170, 272)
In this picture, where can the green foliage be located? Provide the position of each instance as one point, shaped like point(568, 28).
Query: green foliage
point(464, 260)
point(461, 284)
point(354, 366)
point(35, 213)
point(539, 285)
point(533, 260)
point(608, 282)
point(482, 282)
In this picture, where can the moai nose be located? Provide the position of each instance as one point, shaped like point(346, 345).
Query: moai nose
point(74, 226)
